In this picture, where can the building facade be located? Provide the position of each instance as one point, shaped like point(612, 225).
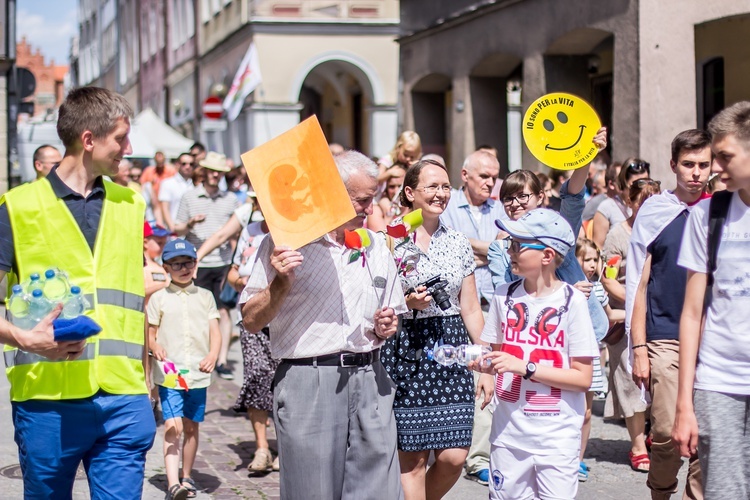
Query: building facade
point(336, 59)
point(651, 68)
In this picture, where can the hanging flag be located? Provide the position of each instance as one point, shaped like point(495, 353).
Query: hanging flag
point(245, 81)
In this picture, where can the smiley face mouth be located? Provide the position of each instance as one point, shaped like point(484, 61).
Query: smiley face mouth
point(572, 145)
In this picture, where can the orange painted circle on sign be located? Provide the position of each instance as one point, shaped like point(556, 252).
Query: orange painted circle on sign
point(559, 130)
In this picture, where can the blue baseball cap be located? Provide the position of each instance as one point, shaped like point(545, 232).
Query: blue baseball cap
point(544, 225)
point(178, 248)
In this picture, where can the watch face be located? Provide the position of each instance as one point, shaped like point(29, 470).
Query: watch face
point(531, 367)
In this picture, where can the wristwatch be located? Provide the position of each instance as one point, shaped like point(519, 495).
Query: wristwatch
point(530, 370)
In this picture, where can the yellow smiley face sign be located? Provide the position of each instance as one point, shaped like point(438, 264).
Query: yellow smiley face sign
point(559, 130)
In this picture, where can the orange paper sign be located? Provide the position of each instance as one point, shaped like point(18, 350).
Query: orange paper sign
point(298, 186)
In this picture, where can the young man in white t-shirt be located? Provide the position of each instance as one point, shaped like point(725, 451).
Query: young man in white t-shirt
point(543, 345)
point(713, 398)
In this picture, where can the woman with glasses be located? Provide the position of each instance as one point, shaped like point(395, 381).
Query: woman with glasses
point(434, 404)
point(614, 210)
point(624, 398)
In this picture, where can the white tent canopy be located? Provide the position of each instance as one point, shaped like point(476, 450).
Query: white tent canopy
point(149, 134)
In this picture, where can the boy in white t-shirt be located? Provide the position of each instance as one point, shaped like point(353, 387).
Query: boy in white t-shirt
point(713, 396)
point(543, 345)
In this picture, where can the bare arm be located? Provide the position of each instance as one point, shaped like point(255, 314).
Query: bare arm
point(601, 228)
point(577, 181)
point(480, 249)
point(167, 215)
point(685, 431)
point(182, 228)
point(227, 231)
point(614, 289)
point(265, 305)
point(208, 363)
point(471, 311)
point(614, 315)
point(641, 366)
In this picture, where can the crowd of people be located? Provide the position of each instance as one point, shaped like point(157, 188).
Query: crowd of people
point(583, 284)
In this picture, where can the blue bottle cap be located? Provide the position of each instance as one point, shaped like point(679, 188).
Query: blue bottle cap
point(17, 289)
point(34, 276)
point(75, 290)
point(49, 274)
point(36, 293)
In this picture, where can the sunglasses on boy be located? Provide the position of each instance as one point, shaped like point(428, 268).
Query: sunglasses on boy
point(516, 246)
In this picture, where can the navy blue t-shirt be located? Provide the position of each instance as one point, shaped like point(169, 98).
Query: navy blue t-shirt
point(666, 285)
point(86, 212)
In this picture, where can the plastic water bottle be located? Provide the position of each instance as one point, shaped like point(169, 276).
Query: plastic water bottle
point(18, 306)
point(55, 286)
point(39, 306)
point(75, 304)
point(34, 283)
point(448, 355)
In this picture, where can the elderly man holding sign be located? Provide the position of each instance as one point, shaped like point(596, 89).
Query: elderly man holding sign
point(328, 315)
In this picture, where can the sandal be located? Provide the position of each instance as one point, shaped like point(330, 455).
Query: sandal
point(189, 485)
point(639, 463)
point(262, 461)
point(176, 492)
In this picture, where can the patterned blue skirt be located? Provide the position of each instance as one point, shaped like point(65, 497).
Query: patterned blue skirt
point(434, 404)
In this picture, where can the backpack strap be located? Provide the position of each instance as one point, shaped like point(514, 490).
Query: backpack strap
point(717, 215)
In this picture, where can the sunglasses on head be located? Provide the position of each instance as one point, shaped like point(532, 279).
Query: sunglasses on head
point(637, 167)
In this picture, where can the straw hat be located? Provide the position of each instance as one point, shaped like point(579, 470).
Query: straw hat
point(215, 161)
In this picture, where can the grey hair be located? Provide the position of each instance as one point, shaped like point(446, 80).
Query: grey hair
point(479, 157)
point(352, 161)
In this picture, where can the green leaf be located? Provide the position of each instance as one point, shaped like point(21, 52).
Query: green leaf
point(354, 256)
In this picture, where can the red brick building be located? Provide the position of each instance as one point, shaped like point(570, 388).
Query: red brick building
point(49, 77)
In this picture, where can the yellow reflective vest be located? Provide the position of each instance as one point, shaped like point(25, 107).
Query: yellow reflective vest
point(45, 235)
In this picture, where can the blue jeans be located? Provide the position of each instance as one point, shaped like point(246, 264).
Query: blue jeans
point(111, 434)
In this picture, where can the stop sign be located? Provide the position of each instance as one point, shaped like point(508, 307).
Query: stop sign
point(212, 108)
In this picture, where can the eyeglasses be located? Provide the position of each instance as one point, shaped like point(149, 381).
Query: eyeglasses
point(431, 190)
point(642, 182)
point(637, 167)
point(135, 177)
point(176, 266)
point(522, 199)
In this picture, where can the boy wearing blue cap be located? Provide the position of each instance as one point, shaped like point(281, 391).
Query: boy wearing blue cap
point(543, 345)
point(187, 322)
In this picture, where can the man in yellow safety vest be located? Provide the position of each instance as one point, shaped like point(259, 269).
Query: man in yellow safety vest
point(83, 401)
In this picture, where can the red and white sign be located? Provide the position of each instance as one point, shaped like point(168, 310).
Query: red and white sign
point(212, 108)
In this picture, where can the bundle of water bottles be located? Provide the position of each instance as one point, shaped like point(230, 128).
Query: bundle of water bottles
point(33, 299)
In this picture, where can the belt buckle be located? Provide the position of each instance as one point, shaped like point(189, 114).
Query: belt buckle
point(353, 359)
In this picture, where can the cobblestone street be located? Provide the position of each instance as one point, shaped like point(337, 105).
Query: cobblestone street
point(227, 447)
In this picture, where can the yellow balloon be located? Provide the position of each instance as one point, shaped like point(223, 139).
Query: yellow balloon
point(559, 130)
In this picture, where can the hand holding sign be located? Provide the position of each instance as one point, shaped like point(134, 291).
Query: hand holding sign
point(559, 130)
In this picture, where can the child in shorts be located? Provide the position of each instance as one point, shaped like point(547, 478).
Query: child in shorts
point(543, 349)
point(187, 322)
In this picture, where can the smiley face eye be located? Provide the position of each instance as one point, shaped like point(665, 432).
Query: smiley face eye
point(562, 117)
point(549, 125)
